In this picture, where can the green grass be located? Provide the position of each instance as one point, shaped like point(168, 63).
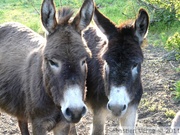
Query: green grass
point(159, 32)
point(117, 10)
point(176, 93)
point(27, 12)
point(20, 11)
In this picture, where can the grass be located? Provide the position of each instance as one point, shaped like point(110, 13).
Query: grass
point(159, 32)
point(18, 11)
point(117, 10)
point(176, 93)
point(27, 12)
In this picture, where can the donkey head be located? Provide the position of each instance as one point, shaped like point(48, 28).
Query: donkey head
point(123, 58)
point(64, 57)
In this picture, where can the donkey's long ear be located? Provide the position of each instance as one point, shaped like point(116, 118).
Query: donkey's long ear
point(103, 23)
point(141, 24)
point(84, 17)
point(48, 13)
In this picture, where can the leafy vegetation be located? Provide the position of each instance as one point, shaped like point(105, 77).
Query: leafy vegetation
point(165, 24)
point(177, 92)
point(173, 44)
point(166, 11)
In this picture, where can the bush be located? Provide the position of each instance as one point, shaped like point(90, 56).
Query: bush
point(177, 91)
point(173, 43)
point(163, 10)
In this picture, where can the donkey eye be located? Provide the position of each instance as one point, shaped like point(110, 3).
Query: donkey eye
point(135, 65)
point(83, 61)
point(134, 70)
point(53, 63)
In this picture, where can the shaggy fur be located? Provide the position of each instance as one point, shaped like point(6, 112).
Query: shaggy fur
point(30, 89)
point(115, 63)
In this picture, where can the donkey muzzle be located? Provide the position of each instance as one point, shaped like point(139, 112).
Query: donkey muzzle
point(75, 114)
point(117, 109)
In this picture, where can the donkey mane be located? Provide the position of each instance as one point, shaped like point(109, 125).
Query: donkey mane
point(64, 14)
point(126, 24)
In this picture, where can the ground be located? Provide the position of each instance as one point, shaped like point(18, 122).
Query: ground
point(156, 109)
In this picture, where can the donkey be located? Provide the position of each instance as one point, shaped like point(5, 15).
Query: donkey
point(42, 80)
point(114, 83)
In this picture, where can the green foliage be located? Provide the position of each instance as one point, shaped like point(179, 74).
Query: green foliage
point(173, 43)
point(177, 91)
point(164, 10)
point(165, 22)
point(164, 19)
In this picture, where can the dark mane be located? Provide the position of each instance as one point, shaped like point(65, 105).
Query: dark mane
point(128, 23)
point(64, 14)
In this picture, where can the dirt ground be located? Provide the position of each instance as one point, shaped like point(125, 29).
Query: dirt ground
point(157, 105)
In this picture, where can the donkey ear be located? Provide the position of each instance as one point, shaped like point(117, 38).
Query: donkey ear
point(84, 17)
point(48, 13)
point(141, 24)
point(103, 23)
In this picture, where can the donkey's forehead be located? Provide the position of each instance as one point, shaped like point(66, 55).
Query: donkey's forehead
point(65, 32)
point(66, 43)
point(123, 46)
point(118, 52)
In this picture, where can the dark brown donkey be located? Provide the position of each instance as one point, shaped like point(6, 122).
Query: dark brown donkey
point(43, 80)
point(114, 82)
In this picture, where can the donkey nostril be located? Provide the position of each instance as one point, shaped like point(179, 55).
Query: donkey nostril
point(124, 107)
point(83, 110)
point(68, 112)
point(108, 106)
